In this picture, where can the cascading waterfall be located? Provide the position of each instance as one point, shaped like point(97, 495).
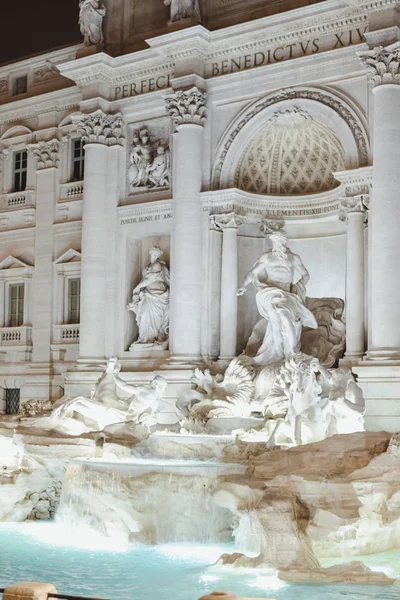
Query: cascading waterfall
point(147, 500)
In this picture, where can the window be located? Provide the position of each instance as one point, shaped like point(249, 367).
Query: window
point(20, 85)
point(20, 170)
point(78, 160)
point(16, 305)
point(74, 300)
point(13, 396)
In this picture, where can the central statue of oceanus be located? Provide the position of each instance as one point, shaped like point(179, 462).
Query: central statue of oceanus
point(280, 279)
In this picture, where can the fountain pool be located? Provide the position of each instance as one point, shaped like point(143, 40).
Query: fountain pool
point(95, 566)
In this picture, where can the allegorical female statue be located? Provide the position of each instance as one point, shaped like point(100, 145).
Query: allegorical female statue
point(91, 15)
point(150, 301)
point(183, 9)
point(280, 279)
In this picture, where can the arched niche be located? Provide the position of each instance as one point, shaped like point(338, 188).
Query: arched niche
point(325, 107)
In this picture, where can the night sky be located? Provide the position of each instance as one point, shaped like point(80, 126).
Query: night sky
point(32, 26)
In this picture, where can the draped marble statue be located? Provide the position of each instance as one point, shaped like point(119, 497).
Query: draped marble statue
point(183, 9)
point(280, 279)
point(150, 302)
point(91, 15)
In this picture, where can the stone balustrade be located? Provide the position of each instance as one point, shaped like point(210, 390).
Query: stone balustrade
point(66, 334)
point(12, 336)
point(71, 191)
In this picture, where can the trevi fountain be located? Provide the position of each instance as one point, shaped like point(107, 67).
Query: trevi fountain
point(199, 314)
point(267, 483)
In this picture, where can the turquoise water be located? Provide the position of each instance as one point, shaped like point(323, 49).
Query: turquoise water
point(47, 552)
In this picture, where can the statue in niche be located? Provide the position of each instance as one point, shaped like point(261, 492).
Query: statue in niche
point(150, 302)
point(280, 279)
point(149, 163)
point(91, 15)
point(183, 9)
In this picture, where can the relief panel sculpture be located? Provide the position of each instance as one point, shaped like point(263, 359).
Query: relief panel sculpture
point(149, 162)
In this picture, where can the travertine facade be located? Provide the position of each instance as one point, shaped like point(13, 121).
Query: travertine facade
point(198, 141)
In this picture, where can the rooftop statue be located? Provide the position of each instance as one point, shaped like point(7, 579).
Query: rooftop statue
point(150, 301)
point(91, 15)
point(280, 279)
point(183, 9)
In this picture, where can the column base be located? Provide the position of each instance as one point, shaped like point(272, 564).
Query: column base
point(383, 354)
point(380, 384)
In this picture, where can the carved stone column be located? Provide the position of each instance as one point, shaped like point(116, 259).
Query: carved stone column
point(47, 157)
point(187, 110)
point(102, 135)
point(383, 64)
point(354, 213)
point(229, 224)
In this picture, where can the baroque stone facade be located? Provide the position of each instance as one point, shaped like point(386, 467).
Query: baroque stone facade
point(199, 147)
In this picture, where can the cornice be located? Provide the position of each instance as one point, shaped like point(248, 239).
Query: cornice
point(28, 108)
point(68, 227)
point(113, 71)
point(289, 207)
point(54, 56)
point(150, 211)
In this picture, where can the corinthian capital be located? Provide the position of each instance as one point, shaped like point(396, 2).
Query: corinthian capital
point(47, 154)
point(187, 107)
point(383, 64)
point(100, 128)
point(354, 204)
point(227, 221)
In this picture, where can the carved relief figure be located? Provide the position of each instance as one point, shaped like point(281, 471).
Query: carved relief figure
point(91, 15)
point(183, 9)
point(149, 162)
point(150, 301)
point(280, 279)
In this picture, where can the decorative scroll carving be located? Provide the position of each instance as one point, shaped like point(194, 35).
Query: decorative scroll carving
point(47, 154)
point(91, 15)
point(383, 64)
point(3, 86)
point(183, 9)
point(354, 204)
point(100, 128)
point(187, 107)
point(227, 221)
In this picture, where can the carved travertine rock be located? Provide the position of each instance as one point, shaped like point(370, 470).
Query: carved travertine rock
point(29, 590)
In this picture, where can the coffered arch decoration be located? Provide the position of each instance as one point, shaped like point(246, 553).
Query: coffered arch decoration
point(291, 143)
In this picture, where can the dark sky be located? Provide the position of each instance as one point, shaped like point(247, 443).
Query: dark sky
point(31, 26)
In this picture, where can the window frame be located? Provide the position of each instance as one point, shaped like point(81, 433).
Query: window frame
point(19, 316)
point(80, 160)
point(20, 171)
point(67, 311)
point(16, 79)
